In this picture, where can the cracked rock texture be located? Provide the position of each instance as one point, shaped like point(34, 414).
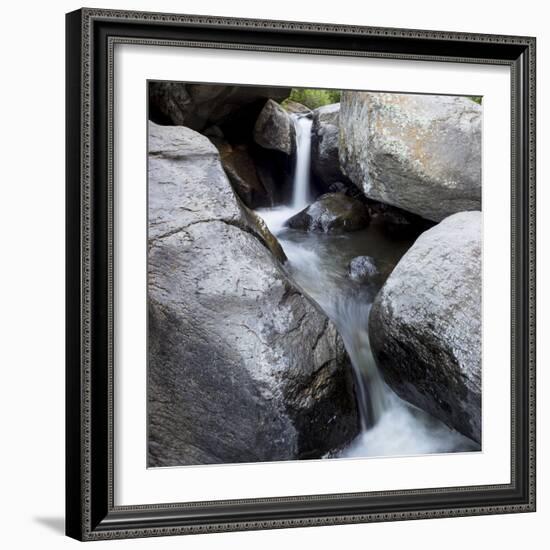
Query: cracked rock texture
point(425, 324)
point(421, 153)
point(242, 367)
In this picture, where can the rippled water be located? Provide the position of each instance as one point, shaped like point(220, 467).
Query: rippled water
point(319, 264)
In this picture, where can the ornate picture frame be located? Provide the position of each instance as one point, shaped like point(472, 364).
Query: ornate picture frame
point(91, 511)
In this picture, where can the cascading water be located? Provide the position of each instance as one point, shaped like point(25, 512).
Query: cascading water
point(318, 263)
point(300, 195)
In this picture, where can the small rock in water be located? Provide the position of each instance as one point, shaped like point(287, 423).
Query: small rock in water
point(362, 268)
point(331, 213)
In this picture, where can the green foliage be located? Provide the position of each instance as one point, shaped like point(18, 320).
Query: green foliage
point(314, 98)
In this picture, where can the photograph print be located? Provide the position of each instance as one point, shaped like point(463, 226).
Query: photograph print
point(314, 274)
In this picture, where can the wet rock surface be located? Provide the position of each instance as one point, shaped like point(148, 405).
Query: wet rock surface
point(425, 324)
point(242, 367)
point(362, 269)
point(331, 213)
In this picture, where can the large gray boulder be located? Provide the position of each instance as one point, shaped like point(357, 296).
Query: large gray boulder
point(275, 130)
point(331, 213)
point(325, 162)
point(421, 153)
point(425, 324)
point(199, 106)
point(242, 367)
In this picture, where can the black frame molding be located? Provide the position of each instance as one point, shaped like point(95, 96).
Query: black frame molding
point(90, 38)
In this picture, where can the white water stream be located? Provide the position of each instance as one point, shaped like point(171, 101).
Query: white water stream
point(300, 192)
point(318, 262)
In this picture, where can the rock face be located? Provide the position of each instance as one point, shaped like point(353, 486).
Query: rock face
point(242, 367)
point(199, 106)
point(258, 176)
point(243, 174)
point(421, 153)
point(325, 162)
point(362, 268)
point(294, 107)
point(275, 130)
point(425, 324)
point(331, 213)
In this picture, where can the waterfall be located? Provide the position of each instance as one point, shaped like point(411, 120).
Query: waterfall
point(300, 193)
point(350, 313)
point(316, 264)
point(319, 264)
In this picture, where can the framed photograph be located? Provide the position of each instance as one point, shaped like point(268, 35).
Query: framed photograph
point(300, 274)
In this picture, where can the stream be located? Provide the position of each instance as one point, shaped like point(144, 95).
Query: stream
point(318, 262)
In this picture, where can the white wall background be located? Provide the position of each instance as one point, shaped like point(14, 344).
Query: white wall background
point(32, 271)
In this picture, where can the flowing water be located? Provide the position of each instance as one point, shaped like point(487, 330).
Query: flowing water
point(319, 263)
point(300, 194)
